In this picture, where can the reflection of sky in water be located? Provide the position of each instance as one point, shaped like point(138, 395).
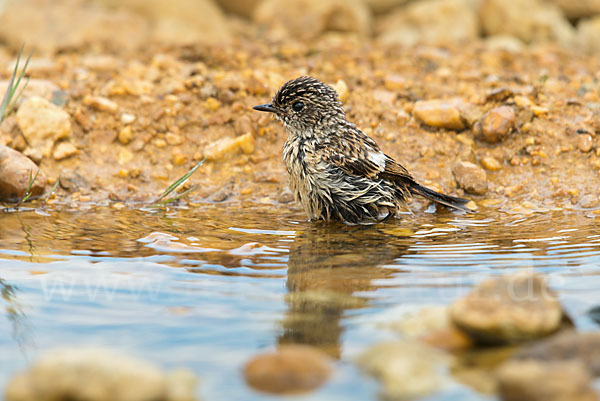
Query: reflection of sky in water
point(206, 292)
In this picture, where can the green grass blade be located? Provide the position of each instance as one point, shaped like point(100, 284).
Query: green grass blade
point(178, 196)
point(9, 90)
point(9, 100)
point(52, 190)
point(178, 183)
point(27, 194)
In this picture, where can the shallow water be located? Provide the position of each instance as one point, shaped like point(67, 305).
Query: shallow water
point(208, 287)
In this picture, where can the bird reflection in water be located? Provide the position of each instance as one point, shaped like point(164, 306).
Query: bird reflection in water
point(328, 264)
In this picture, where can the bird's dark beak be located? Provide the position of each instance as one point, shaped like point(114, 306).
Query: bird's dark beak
point(265, 107)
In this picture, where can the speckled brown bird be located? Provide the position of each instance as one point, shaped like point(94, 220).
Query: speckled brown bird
point(336, 171)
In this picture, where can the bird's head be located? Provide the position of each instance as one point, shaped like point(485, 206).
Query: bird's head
point(304, 104)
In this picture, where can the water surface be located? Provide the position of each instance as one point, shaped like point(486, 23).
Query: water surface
point(208, 287)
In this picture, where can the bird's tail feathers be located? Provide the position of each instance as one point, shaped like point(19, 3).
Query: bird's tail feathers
point(446, 200)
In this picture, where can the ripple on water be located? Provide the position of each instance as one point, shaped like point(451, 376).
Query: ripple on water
point(207, 288)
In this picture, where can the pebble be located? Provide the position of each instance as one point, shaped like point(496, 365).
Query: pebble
point(585, 142)
point(567, 345)
point(100, 103)
point(64, 150)
point(342, 90)
point(125, 135)
point(291, 369)
point(491, 163)
point(173, 139)
point(496, 124)
point(127, 118)
point(42, 123)
point(470, 177)
point(589, 201)
point(532, 380)
point(97, 374)
point(16, 169)
point(439, 113)
point(222, 147)
point(307, 19)
point(72, 181)
point(406, 369)
point(508, 310)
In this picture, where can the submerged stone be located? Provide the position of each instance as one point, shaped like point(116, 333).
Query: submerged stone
point(291, 369)
point(509, 309)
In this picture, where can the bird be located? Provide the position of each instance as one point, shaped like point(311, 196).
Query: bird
point(336, 171)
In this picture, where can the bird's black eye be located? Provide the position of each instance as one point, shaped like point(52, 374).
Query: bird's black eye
point(297, 106)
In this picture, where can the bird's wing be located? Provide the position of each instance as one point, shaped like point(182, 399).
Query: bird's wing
point(358, 154)
point(354, 153)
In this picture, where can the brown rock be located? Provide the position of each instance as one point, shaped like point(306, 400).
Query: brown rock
point(64, 150)
point(585, 142)
point(508, 309)
point(589, 201)
point(43, 123)
point(291, 369)
point(406, 369)
point(96, 374)
point(470, 177)
point(575, 9)
point(179, 21)
point(242, 7)
point(383, 6)
point(496, 124)
point(529, 20)
point(532, 380)
point(567, 345)
point(491, 163)
point(80, 26)
point(308, 19)
point(431, 22)
point(439, 113)
point(588, 31)
point(15, 170)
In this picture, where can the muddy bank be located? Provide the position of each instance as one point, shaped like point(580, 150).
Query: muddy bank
point(512, 129)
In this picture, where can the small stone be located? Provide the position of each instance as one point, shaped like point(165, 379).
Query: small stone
point(308, 19)
point(125, 156)
point(491, 163)
point(34, 154)
point(532, 21)
point(585, 142)
point(567, 345)
point(243, 125)
point(43, 123)
point(246, 143)
point(72, 181)
point(127, 118)
point(509, 309)
point(100, 103)
point(342, 90)
point(64, 150)
point(125, 135)
point(95, 374)
point(470, 177)
point(16, 169)
point(212, 104)
point(286, 196)
point(589, 201)
point(291, 369)
point(439, 113)
point(496, 124)
point(430, 22)
point(173, 139)
point(532, 380)
point(220, 148)
point(406, 369)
